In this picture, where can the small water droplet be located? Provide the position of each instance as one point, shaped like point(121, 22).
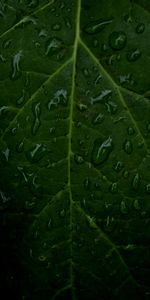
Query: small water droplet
point(60, 97)
point(109, 224)
point(130, 130)
point(42, 258)
point(98, 119)
point(7, 43)
point(37, 113)
point(85, 72)
point(78, 159)
point(118, 166)
point(96, 26)
point(2, 58)
point(6, 154)
point(117, 40)
point(101, 151)
point(148, 188)
point(87, 183)
point(136, 182)
point(102, 96)
point(133, 55)
point(136, 204)
point(140, 28)
point(62, 213)
point(111, 107)
point(36, 153)
point(3, 110)
point(29, 205)
point(125, 174)
point(127, 146)
point(16, 70)
point(20, 147)
point(53, 46)
point(56, 26)
point(98, 79)
point(49, 225)
point(43, 33)
point(82, 107)
point(21, 100)
point(123, 207)
point(114, 188)
point(68, 23)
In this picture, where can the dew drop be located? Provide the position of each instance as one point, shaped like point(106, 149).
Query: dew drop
point(36, 153)
point(118, 166)
point(60, 97)
point(130, 130)
point(6, 154)
point(7, 43)
point(68, 23)
point(127, 146)
point(117, 40)
point(111, 107)
point(49, 223)
point(133, 55)
point(53, 46)
point(114, 188)
point(20, 147)
point(148, 188)
point(16, 71)
point(82, 107)
point(62, 213)
point(101, 151)
point(43, 33)
point(3, 110)
point(109, 224)
point(136, 182)
point(136, 204)
point(98, 119)
point(85, 72)
point(56, 27)
point(123, 207)
point(140, 28)
point(104, 95)
point(37, 122)
point(2, 58)
point(87, 183)
point(21, 100)
point(78, 159)
point(96, 26)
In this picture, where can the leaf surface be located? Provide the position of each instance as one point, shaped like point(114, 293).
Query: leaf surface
point(75, 149)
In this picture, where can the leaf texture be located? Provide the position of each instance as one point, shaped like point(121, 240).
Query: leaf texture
point(75, 149)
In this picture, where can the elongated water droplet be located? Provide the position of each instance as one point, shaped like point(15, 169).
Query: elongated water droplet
point(6, 154)
point(60, 97)
point(133, 55)
point(127, 146)
point(114, 188)
point(82, 107)
point(136, 204)
point(118, 166)
point(37, 122)
point(101, 151)
point(16, 70)
point(103, 96)
point(3, 110)
point(53, 46)
point(2, 58)
point(140, 28)
point(62, 213)
point(123, 207)
point(111, 107)
point(36, 153)
point(109, 224)
point(20, 147)
point(96, 26)
point(98, 119)
point(87, 183)
point(117, 40)
point(136, 182)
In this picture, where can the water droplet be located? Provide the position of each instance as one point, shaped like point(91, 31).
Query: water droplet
point(21, 100)
point(78, 159)
point(126, 174)
point(82, 107)
point(53, 46)
point(20, 147)
point(2, 58)
point(42, 258)
point(85, 72)
point(6, 154)
point(68, 23)
point(7, 43)
point(101, 150)
point(37, 122)
point(16, 71)
point(111, 107)
point(43, 33)
point(109, 224)
point(98, 79)
point(36, 153)
point(98, 119)
point(87, 183)
point(148, 188)
point(130, 130)
point(140, 28)
point(59, 97)
point(117, 40)
point(133, 55)
point(136, 182)
point(56, 27)
point(3, 198)
point(136, 204)
point(62, 213)
point(114, 188)
point(118, 166)
point(103, 96)
point(127, 146)
point(29, 205)
point(96, 26)
point(49, 223)
point(3, 110)
point(123, 207)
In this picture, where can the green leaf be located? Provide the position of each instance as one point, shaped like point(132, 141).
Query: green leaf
point(75, 149)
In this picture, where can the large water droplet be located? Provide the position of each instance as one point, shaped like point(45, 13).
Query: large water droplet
point(103, 96)
point(16, 70)
point(117, 40)
point(60, 97)
point(127, 146)
point(133, 55)
point(101, 150)
point(140, 28)
point(136, 182)
point(96, 26)
point(36, 153)
point(53, 46)
point(37, 122)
